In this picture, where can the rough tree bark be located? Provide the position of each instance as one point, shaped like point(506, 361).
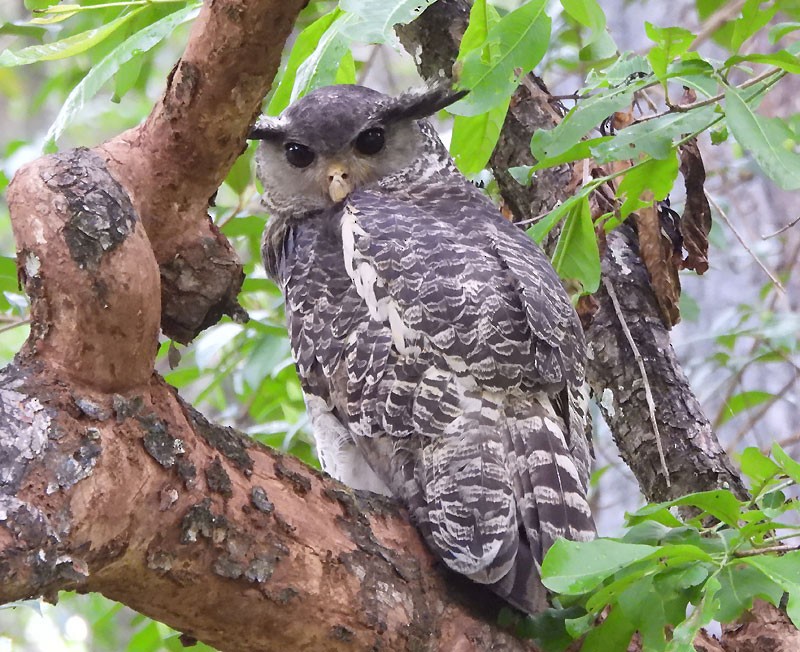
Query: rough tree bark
point(110, 483)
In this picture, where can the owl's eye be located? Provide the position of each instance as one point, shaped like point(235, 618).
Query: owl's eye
point(370, 141)
point(299, 155)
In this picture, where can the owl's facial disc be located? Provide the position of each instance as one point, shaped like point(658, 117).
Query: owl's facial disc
point(339, 139)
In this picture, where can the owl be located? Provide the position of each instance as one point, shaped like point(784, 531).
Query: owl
point(440, 357)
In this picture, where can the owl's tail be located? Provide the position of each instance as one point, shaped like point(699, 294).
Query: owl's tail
point(549, 492)
point(499, 486)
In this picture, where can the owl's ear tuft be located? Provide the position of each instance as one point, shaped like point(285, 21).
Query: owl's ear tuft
point(418, 104)
point(266, 128)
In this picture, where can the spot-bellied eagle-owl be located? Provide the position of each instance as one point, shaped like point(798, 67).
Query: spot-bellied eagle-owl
point(441, 360)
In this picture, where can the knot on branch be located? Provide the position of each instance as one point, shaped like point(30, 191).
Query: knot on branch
point(88, 269)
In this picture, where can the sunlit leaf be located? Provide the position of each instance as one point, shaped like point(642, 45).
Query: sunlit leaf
point(766, 139)
point(66, 47)
point(515, 44)
point(140, 41)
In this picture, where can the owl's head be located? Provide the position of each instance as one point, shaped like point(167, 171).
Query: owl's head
point(339, 138)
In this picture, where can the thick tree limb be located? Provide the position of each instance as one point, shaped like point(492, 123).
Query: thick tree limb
point(172, 164)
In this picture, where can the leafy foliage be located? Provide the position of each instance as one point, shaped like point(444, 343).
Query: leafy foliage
point(673, 572)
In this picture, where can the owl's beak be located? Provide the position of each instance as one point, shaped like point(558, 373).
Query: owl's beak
point(339, 183)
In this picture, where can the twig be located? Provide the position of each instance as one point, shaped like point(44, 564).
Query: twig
point(362, 74)
point(717, 20)
point(682, 108)
point(782, 549)
point(640, 361)
point(13, 325)
point(763, 408)
point(786, 227)
point(744, 244)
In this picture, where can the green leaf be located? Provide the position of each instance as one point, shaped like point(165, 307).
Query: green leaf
point(645, 613)
point(755, 15)
point(67, 47)
point(777, 32)
point(38, 5)
point(303, 47)
point(581, 119)
point(743, 401)
point(141, 41)
point(614, 633)
point(580, 150)
point(474, 138)
point(720, 503)
point(574, 567)
point(587, 12)
point(23, 29)
point(785, 572)
point(782, 59)
point(482, 17)
point(788, 465)
point(378, 18)
point(577, 256)
point(322, 65)
point(757, 466)
point(654, 137)
point(548, 629)
point(540, 230)
point(127, 76)
point(671, 43)
point(740, 585)
point(346, 74)
point(654, 175)
point(765, 139)
point(684, 634)
point(657, 512)
point(516, 42)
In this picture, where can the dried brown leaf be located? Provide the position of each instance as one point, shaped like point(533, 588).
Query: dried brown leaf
point(696, 220)
point(662, 263)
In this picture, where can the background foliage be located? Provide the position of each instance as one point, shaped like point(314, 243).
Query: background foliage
point(76, 73)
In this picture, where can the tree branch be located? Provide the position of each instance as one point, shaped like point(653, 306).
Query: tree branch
point(172, 164)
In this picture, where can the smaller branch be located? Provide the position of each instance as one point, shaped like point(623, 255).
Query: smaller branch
point(640, 361)
point(14, 324)
point(786, 227)
point(716, 20)
point(763, 409)
point(743, 242)
point(780, 550)
point(373, 55)
point(683, 108)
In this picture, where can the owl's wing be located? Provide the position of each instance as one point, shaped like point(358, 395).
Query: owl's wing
point(459, 416)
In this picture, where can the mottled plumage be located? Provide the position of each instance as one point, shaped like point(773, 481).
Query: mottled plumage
point(440, 357)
